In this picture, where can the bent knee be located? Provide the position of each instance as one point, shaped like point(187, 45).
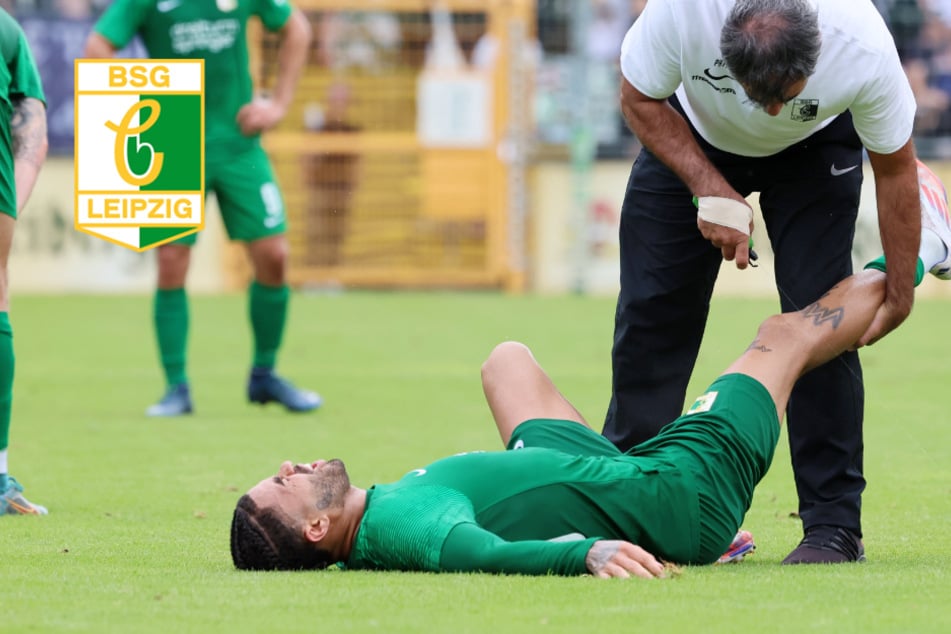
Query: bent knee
point(504, 355)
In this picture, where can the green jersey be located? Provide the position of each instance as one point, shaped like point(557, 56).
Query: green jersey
point(531, 511)
point(213, 30)
point(18, 79)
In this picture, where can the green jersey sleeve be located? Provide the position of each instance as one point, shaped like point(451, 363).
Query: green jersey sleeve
point(25, 78)
point(273, 13)
point(471, 548)
point(122, 20)
point(404, 528)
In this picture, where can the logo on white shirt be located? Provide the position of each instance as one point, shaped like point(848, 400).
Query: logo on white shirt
point(706, 71)
point(804, 109)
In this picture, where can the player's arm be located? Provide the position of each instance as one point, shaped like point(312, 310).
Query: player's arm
point(28, 140)
point(291, 57)
point(663, 131)
point(666, 134)
point(263, 114)
point(28, 132)
point(899, 219)
point(470, 548)
point(98, 47)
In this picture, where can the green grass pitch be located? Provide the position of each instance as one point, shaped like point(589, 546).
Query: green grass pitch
point(137, 536)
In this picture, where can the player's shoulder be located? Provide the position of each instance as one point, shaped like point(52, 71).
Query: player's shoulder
point(138, 3)
point(8, 24)
point(123, 9)
point(10, 34)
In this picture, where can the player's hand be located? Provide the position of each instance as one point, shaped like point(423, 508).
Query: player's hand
point(889, 316)
point(614, 558)
point(733, 244)
point(259, 115)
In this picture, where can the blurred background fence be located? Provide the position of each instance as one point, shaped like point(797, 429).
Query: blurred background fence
point(458, 143)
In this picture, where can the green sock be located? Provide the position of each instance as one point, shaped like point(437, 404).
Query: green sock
point(171, 330)
point(879, 265)
point(6, 382)
point(268, 310)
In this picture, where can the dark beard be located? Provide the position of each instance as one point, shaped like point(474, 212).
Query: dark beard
point(332, 486)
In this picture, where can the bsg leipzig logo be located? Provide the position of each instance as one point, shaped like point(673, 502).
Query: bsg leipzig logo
point(140, 150)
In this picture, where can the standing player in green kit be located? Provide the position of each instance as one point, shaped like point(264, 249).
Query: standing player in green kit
point(236, 169)
point(22, 152)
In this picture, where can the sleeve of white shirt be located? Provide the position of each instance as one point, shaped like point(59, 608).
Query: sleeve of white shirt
point(884, 110)
point(650, 52)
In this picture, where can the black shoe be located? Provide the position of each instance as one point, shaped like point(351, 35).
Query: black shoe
point(827, 545)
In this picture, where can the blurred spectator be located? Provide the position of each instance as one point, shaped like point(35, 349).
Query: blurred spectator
point(937, 38)
point(370, 40)
point(610, 20)
point(331, 178)
point(940, 9)
point(922, 32)
point(485, 53)
point(73, 9)
point(905, 19)
point(57, 31)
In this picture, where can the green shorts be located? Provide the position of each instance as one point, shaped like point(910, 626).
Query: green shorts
point(657, 508)
point(249, 199)
point(711, 457)
point(8, 196)
point(8, 188)
point(564, 435)
point(726, 441)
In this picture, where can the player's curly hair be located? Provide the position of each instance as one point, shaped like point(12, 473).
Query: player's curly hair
point(261, 540)
point(769, 44)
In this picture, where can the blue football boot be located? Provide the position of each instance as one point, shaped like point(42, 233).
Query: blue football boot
point(176, 402)
point(12, 501)
point(264, 386)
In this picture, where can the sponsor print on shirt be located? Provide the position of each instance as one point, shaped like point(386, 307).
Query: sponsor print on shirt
point(718, 72)
point(208, 35)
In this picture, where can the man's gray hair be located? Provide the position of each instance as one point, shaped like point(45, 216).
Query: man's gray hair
point(769, 44)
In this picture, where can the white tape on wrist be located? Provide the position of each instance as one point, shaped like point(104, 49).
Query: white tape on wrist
point(726, 212)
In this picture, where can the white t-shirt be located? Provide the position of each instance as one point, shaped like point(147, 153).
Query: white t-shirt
point(674, 46)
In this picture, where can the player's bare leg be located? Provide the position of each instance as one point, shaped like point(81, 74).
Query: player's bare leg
point(517, 389)
point(791, 344)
